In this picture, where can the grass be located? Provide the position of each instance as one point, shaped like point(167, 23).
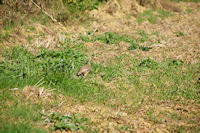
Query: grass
point(68, 122)
point(20, 127)
point(146, 15)
point(16, 116)
point(115, 38)
point(152, 15)
point(188, 11)
point(80, 6)
point(165, 80)
point(57, 67)
point(107, 38)
point(4, 36)
point(170, 81)
point(179, 34)
point(163, 92)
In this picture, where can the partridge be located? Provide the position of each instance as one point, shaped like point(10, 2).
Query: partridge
point(85, 69)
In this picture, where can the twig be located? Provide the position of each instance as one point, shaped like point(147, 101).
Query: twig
point(53, 19)
point(93, 32)
point(39, 81)
point(14, 89)
point(40, 84)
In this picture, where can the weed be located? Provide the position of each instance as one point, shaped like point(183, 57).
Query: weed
point(188, 11)
point(148, 63)
point(175, 63)
point(143, 36)
point(63, 60)
point(124, 127)
point(133, 46)
point(109, 38)
point(181, 129)
point(145, 48)
point(68, 122)
point(179, 34)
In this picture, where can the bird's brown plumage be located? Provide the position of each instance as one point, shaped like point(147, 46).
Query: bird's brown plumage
point(85, 69)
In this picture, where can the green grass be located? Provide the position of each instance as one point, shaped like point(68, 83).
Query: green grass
point(152, 15)
point(17, 116)
point(68, 122)
point(80, 6)
point(115, 38)
point(169, 79)
point(107, 38)
point(57, 67)
point(165, 80)
point(123, 83)
point(188, 11)
point(179, 34)
point(133, 80)
point(143, 36)
point(167, 76)
point(8, 127)
point(148, 63)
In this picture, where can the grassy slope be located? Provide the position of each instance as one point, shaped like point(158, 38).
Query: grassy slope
point(136, 79)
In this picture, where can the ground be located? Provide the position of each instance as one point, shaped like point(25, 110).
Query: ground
point(144, 77)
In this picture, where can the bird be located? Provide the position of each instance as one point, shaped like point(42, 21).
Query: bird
point(85, 69)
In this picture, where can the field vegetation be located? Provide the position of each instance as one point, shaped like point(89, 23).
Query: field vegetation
point(144, 75)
